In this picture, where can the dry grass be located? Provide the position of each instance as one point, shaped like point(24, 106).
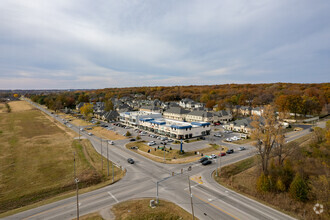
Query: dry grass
point(36, 158)
point(19, 106)
point(106, 134)
point(242, 177)
point(3, 108)
point(140, 210)
point(171, 156)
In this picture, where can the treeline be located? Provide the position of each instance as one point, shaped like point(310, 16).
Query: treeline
point(296, 98)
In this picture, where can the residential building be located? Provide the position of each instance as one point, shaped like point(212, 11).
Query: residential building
point(176, 113)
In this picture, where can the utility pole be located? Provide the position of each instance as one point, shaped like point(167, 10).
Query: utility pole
point(157, 192)
point(113, 173)
point(101, 155)
point(76, 181)
point(164, 154)
point(220, 165)
point(191, 199)
point(108, 157)
point(79, 132)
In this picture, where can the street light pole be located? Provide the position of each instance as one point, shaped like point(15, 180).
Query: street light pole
point(79, 132)
point(164, 154)
point(191, 199)
point(108, 157)
point(76, 181)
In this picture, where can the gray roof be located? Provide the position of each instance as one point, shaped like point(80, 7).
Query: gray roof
point(201, 113)
point(246, 122)
point(177, 110)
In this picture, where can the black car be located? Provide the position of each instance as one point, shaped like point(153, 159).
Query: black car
point(230, 151)
point(203, 159)
point(207, 162)
point(130, 160)
point(163, 143)
point(133, 139)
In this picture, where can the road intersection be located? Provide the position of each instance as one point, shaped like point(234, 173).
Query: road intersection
point(210, 200)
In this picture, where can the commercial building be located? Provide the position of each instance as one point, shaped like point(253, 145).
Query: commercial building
point(154, 122)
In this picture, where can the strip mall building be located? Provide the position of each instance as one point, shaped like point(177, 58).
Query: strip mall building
point(155, 123)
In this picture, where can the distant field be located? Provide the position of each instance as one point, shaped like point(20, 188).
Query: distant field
point(36, 158)
point(3, 108)
point(106, 134)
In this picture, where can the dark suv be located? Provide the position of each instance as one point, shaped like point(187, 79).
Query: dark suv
point(130, 160)
point(203, 159)
point(230, 151)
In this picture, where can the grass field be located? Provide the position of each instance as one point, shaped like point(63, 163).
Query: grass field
point(106, 134)
point(3, 108)
point(172, 156)
point(37, 158)
point(140, 210)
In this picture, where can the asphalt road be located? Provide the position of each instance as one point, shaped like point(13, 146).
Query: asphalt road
point(210, 200)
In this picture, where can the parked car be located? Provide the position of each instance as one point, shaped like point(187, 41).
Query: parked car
point(213, 156)
point(90, 134)
point(206, 162)
point(217, 135)
point(132, 139)
point(151, 143)
point(163, 143)
point(81, 129)
point(203, 159)
point(170, 140)
point(111, 142)
point(130, 160)
point(241, 148)
point(230, 151)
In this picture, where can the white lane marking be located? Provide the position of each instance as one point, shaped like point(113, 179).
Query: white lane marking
point(79, 204)
point(113, 197)
point(191, 186)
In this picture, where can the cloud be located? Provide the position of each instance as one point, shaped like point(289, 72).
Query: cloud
point(84, 44)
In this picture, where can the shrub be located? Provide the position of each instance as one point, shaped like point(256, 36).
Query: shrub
point(128, 134)
point(170, 148)
point(299, 189)
point(263, 183)
point(280, 186)
point(138, 137)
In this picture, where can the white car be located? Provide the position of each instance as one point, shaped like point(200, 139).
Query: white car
point(241, 148)
point(213, 156)
point(111, 142)
point(228, 139)
point(90, 134)
point(151, 143)
point(81, 129)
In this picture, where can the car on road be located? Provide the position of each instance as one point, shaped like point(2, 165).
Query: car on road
point(132, 139)
point(203, 159)
point(230, 151)
point(111, 142)
point(90, 134)
point(206, 162)
point(217, 135)
point(130, 160)
point(222, 154)
point(241, 148)
point(228, 139)
point(81, 129)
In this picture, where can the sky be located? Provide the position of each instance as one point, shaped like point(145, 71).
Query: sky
point(76, 44)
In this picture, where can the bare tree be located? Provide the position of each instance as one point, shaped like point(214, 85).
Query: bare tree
point(268, 135)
